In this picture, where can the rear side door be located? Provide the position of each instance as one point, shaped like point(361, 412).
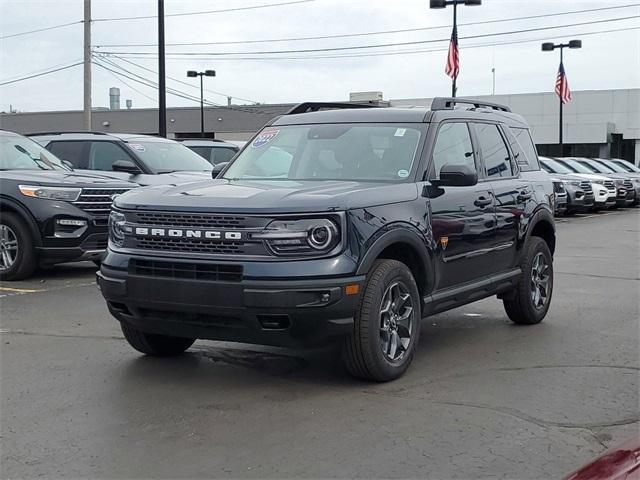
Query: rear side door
point(462, 218)
point(511, 193)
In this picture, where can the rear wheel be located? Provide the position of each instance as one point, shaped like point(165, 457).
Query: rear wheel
point(386, 325)
point(156, 345)
point(17, 254)
point(529, 302)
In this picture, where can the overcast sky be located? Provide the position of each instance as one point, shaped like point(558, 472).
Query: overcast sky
point(606, 61)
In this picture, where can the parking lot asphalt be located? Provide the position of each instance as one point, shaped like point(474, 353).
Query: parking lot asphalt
point(483, 399)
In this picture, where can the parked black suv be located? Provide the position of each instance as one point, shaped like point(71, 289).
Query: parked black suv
point(48, 213)
point(142, 159)
point(339, 223)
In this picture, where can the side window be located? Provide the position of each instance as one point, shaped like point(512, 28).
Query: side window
point(69, 151)
point(452, 147)
point(495, 154)
point(219, 155)
point(103, 154)
point(204, 152)
point(524, 150)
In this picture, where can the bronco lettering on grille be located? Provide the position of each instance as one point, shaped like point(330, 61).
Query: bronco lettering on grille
point(187, 233)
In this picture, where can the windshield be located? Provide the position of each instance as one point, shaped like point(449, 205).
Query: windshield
point(164, 157)
point(329, 152)
point(596, 167)
point(612, 166)
point(629, 167)
point(554, 167)
point(574, 166)
point(21, 153)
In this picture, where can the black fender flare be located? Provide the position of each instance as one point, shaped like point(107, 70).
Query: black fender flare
point(400, 233)
point(7, 203)
point(541, 215)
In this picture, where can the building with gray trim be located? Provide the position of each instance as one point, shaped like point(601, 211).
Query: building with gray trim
point(597, 123)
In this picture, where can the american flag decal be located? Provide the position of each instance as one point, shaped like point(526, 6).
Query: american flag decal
point(562, 85)
point(453, 58)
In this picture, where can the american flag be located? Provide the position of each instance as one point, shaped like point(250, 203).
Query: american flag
point(453, 59)
point(562, 85)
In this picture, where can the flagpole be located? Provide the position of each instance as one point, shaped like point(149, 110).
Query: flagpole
point(455, 29)
point(560, 98)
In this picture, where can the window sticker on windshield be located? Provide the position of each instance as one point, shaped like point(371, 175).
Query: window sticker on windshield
point(400, 132)
point(403, 173)
point(265, 137)
point(137, 147)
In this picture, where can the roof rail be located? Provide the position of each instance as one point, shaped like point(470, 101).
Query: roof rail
point(74, 132)
point(448, 103)
point(316, 106)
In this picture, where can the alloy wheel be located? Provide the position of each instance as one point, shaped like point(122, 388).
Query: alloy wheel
point(8, 247)
point(540, 281)
point(397, 319)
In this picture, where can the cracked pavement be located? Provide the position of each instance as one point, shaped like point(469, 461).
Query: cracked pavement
point(483, 398)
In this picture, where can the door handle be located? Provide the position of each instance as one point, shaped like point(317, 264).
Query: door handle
point(482, 202)
point(524, 195)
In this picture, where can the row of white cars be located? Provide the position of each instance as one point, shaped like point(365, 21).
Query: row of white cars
point(591, 184)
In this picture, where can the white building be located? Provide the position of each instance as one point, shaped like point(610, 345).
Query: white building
point(596, 123)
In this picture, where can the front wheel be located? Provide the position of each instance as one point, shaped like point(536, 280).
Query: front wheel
point(153, 344)
point(17, 254)
point(529, 302)
point(386, 324)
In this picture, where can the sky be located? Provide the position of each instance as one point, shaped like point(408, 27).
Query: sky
point(606, 61)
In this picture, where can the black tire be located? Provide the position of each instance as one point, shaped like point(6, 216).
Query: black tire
point(24, 262)
point(519, 305)
point(156, 345)
point(363, 349)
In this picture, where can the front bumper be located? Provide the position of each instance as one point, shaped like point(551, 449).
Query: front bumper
point(580, 200)
point(279, 312)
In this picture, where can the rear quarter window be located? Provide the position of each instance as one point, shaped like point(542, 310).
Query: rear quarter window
point(524, 149)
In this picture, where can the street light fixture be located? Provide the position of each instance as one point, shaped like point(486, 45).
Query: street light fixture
point(206, 73)
point(549, 47)
point(455, 3)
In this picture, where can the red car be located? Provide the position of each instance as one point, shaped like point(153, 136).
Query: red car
point(620, 463)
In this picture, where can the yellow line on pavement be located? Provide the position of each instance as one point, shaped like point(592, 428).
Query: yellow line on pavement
point(20, 290)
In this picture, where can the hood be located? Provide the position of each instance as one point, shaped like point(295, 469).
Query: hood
point(62, 178)
point(590, 176)
point(147, 179)
point(246, 196)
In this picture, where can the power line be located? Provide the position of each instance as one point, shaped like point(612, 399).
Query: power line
point(399, 52)
point(182, 82)
point(40, 74)
point(139, 79)
point(41, 29)
point(381, 45)
point(127, 84)
point(361, 34)
point(206, 12)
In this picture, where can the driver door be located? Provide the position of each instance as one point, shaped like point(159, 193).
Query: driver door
point(462, 217)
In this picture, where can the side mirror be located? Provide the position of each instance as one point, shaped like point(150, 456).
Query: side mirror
point(457, 176)
point(217, 169)
point(125, 166)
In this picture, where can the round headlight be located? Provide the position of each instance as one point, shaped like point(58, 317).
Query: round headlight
point(320, 237)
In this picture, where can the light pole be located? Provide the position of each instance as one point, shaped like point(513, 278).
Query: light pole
point(549, 47)
point(454, 36)
point(206, 73)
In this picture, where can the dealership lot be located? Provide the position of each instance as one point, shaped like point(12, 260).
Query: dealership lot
point(484, 398)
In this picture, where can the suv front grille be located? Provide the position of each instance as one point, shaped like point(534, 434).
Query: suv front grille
point(609, 184)
point(190, 245)
point(586, 186)
point(186, 220)
point(191, 271)
point(628, 184)
point(97, 201)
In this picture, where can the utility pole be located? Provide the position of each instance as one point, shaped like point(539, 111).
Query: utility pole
point(493, 73)
point(86, 118)
point(206, 73)
point(162, 88)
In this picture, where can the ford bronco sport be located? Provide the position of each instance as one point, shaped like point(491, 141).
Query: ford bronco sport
point(339, 223)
